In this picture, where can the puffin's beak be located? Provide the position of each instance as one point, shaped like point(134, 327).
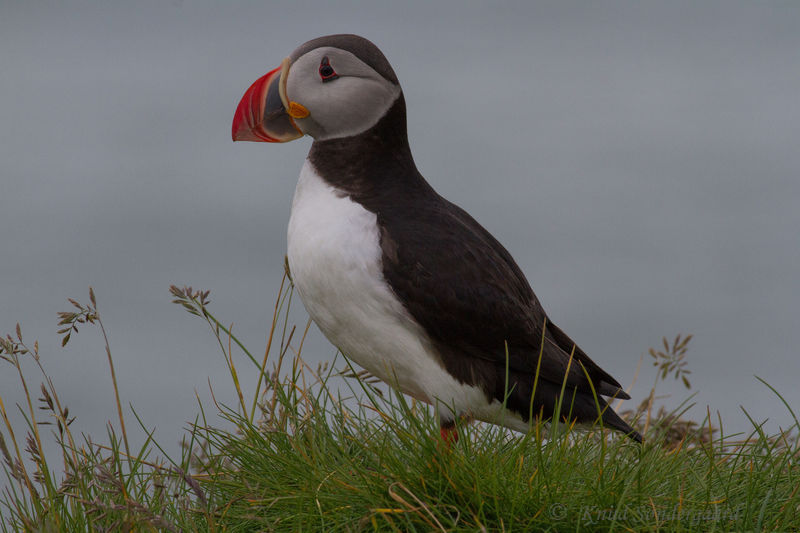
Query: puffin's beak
point(262, 113)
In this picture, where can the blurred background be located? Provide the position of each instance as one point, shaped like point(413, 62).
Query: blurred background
point(639, 160)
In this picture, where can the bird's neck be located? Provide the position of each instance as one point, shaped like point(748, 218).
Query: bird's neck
point(375, 162)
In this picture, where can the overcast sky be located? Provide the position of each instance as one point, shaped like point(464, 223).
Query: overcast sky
point(640, 161)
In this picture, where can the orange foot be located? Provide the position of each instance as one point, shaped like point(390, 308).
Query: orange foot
point(449, 434)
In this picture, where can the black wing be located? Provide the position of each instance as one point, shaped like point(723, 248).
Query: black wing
point(465, 289)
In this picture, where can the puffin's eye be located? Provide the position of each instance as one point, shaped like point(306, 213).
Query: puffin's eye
point(326, 71)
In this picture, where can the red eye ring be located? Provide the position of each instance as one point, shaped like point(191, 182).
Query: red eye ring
point(326, 71)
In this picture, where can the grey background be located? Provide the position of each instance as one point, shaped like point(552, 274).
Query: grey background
point(640, 161)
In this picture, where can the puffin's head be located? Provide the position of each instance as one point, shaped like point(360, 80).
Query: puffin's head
point(330, 87)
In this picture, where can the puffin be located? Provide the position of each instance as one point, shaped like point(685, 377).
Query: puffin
point(403, 282)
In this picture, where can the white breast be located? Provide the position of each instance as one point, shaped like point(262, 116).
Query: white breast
point(335, 260)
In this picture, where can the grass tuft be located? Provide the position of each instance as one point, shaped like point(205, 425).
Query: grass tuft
point(332, 449)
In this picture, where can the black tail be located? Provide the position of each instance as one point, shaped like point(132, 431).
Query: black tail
point(575, 405)
point(612, 420)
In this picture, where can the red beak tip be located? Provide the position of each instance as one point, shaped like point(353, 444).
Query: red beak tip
point(248, 119)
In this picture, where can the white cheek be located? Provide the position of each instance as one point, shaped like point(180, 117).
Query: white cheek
point(348, 106)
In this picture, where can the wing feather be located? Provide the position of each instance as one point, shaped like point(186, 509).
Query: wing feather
point(473, 300)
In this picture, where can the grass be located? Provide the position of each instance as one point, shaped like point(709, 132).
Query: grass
point(308, 453)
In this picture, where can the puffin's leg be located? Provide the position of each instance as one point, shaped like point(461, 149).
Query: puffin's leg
point(448, 431)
